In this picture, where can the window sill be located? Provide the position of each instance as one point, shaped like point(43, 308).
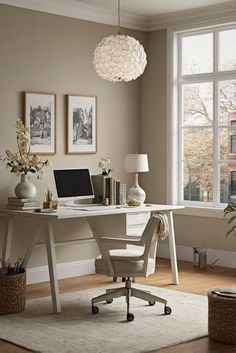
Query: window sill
point(201, 212)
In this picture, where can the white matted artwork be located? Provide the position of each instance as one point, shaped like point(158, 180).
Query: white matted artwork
point(40, 118)
point(81, 124)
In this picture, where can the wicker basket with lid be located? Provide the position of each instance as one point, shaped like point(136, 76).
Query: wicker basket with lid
point(222, 315)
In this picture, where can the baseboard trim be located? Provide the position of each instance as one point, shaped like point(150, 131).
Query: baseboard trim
point(226, 258)
point(64, 270)
point(86, 267)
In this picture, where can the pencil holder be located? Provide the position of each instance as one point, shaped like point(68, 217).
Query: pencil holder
point(12, 293)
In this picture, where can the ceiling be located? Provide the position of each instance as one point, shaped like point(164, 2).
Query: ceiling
point(144, 15)
point(153, 7)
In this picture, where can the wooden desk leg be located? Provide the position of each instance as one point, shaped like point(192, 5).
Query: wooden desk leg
point(6, 250)
point(50, 246)
point(173, 257)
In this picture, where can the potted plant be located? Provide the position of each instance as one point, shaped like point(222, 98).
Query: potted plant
point(230, 211)
point(22, 163)
point(103, 163)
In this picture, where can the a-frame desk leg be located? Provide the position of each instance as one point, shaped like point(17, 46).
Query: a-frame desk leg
point(173, 257)
point(52, 266)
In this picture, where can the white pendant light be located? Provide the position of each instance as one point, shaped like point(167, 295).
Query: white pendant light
point(119, 57)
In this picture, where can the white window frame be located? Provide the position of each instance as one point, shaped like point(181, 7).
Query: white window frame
point(174, 121)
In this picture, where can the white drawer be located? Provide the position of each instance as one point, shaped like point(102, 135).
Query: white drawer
point(135, 230)
point(137, 218)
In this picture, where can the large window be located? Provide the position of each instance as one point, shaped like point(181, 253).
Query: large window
point(207, 116)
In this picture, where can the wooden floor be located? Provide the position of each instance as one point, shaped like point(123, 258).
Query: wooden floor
point(192, 280)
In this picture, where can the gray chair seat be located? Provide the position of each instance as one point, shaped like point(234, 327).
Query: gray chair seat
point(121, 266)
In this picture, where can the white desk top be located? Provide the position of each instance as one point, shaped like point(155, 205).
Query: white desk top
point(67, 213)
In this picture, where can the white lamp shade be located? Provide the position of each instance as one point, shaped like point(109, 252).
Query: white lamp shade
point(136, 163)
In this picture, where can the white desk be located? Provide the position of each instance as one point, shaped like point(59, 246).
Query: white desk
point(45, 221)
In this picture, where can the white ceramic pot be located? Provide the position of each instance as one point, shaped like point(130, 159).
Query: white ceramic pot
point(25, 189)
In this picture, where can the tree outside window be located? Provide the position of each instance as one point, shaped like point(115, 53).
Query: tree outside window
point(207, 116)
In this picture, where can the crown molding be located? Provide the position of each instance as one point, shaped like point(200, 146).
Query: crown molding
point(209, 15)
point(183, 19)
point(77, 9)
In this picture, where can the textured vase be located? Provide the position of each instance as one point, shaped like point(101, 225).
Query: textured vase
point(136, 193)
point(25, 189)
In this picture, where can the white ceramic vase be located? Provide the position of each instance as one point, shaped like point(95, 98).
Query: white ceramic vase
point(25, 189)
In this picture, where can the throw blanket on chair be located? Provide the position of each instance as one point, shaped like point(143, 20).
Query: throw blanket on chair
point(163, 228)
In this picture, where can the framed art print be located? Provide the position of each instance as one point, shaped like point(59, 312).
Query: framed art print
point(81, 124)
point(40, 118)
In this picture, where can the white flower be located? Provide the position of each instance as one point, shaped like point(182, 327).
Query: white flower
point(104, 161)
point(35, 160)
point(21, 162)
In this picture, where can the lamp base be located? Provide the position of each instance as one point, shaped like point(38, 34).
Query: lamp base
point(136, 193)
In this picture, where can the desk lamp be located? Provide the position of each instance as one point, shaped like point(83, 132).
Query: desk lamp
point(136, 163)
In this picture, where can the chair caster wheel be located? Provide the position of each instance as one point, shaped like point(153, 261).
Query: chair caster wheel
point(130, 317)
point(95, 309)
point(167, 310)
point(109, 301)
point(151, 303)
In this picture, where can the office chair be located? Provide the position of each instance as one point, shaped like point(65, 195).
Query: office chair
point(126, 263)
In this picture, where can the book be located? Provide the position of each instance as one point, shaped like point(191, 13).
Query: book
point(107, 188)
point(113, 192)
point(22, 208)
point(122, 194)
point(27, 203)
point(17, 199)
point(102, 188)
point(118, 192)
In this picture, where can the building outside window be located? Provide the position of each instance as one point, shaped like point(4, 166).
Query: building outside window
point(233, 182)
point(233, 143)
point(206, 75)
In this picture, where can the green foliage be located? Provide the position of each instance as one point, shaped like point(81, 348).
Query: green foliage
point(230, 208)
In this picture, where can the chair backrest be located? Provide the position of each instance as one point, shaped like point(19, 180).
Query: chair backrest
point(148, 242)
point(150, 237)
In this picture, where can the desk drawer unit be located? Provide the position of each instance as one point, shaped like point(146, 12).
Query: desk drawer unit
point(136, 222)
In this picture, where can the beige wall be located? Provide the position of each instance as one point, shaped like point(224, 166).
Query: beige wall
point(190, 231)
point(48, 53)
point(153, 117)
point(207, 232)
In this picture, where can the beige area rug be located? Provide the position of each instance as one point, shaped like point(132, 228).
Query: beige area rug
point(77, 330)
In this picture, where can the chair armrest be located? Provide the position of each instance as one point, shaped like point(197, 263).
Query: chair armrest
point(127, 240)
point(122, 237)
point(134, 237)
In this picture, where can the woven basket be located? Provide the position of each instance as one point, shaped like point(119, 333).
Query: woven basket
point(12, 293)
point(222, 318)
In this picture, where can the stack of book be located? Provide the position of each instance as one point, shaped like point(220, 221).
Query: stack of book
point(15, 203)
point(105, 187)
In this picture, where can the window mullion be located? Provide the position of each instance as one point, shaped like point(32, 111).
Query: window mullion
point(216, 166)
point(180, 114)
